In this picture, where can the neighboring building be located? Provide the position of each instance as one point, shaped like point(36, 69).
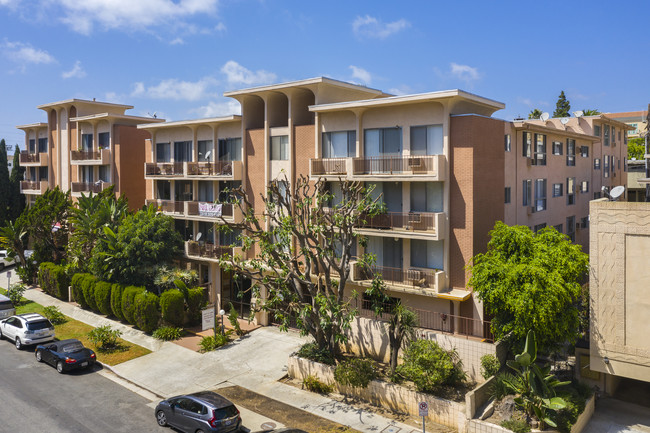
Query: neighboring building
point(10, 162)
point(637, 120)
point(84, 147)
point(635, 176)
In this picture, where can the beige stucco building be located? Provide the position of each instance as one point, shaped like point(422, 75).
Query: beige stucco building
point(637, 120)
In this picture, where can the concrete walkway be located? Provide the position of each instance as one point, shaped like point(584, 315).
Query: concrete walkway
point(616, 416)
point(255, 362)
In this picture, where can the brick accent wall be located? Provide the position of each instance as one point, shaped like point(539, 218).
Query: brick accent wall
point(303, 150)
point(128, 176)
point(255, 171)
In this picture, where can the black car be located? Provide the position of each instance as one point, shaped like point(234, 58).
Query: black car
point(204, 411)
point(66, 355)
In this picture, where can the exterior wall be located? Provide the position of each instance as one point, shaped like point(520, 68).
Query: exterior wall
point(303, 150)
point(128, 178)
point(149, 191)
point(619, 302)
point(255, 167)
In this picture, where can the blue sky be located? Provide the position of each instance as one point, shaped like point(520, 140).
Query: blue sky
point(177, 57)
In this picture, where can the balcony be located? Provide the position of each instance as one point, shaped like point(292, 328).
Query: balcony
point(30, 187)
point(198, 210)
point(33, 159)
point(163, 169)
point(223, 170)
point(77, 188)
point(168, 206)
point(208, 251)
point(413, 280)
point(429, 167)
point(80, 157)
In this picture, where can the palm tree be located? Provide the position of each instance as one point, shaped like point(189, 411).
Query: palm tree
point(587, 112)
point(13, 239)
point(535, 113)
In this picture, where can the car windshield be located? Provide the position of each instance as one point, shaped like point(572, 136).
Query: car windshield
point(39, 324)
point(225, 412)
point(72, 347)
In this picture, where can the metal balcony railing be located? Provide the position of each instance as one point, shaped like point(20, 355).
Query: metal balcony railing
point(163, 169)
point(414, 277)
point(332, 166)
point(218, 168)
point(94, 187)
point(26, 157)
point(193, 208)
point(207, 250)
point(394, 165)
point(84, 155)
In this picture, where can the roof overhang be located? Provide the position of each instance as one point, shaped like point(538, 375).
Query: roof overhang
point(123, 118)
point(193, 122)
point(73, 101)
point(38, 125)
point(310, 82)
point(536, 127)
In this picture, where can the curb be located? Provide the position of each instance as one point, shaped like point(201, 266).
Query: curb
point(124, 378)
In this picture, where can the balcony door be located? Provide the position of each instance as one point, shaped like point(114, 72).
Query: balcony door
point(391, 193)
point(426, 197)
point(182, 151)
point(387, 250)
point(383, 142)
point(87, 142)
point(87, 174)
point(183, 190)
point(206, 191)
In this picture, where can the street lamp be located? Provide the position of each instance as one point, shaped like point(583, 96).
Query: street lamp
point(222, 312)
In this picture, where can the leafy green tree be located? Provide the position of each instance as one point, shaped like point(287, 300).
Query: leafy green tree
point(562, 107)
point(636, 148)
point(132, 253)
point(301, 262)
point(588, 112)
point(13, 238)
point(535, 113)
point(17, 203)
point(5, 187)
point(47, 224)
point(529, 281)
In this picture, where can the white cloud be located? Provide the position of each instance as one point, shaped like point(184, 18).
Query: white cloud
point(76, 72)
point(371, 27)
point(401, 90)
point(464, 72)
point(361, 74)
point(175, 89)
point(218, 109)
point(221, 27)
point(24, 53)
point(82, 16)
point(237, 74)
point(177, 41)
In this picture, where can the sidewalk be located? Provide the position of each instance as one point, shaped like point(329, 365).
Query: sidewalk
point(255, 362)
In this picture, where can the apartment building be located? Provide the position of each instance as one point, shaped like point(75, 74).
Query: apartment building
point(638, 120)
point(85, 146)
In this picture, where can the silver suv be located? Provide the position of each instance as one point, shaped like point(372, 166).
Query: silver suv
point(6, 307)
point(27, 329)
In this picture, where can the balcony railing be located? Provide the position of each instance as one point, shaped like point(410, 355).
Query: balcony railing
point(27, 158)
point(94, 187)
point(207, 250)
point(168, 206)
point(194, 208)
point(329, 166)
point(33, 187)
point(394, 165)
point(83, 155)
point(227, 169)
point(412, 277)
point(426, 221)
point(218, 168)
point(163, 169)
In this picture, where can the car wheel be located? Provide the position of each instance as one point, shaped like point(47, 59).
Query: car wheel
point(59, 367)
point(39, 356)
point(2, 267)
point(199, 431)
point(161, 418)
point(1, 336)
point(19, 345)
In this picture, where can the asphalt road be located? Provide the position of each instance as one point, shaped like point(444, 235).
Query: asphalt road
point(35, 398)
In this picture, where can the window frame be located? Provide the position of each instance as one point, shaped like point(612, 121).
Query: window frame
point(279, 148)
point(557, 193)
point(558, 148)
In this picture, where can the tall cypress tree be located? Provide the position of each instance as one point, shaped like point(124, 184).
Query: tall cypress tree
point(562, 107)
point(5, 187)
point(17, 203)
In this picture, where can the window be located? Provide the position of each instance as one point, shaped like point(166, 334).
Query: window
point(597, 130)
point(571, 228)
point(226, 191)
point(613, 136)
point(426, 254)
point(230, 149)
point(612, 163)
point(570, 190)
point(182, 151)
point(597, 195)
point(42, 145)
point(42, 173)
point(557, 190)
point(606, 166)
point(205, 149)
point(163, 190)
point(87, 174)
point(86, 142)
point(425, 197)
point(383, 142)
point(635, 130)
point(558, 228)
point(207, 232)
point(163, 153)
point(340, 144)
point(105, 173)
point(103, 140)
point(32, 145)
point(527, 188)
point(508, 143)
point(606, 135)
point(584, 222)
point(596, 163)
point(527, 144)
point(206, 191)
point(584, 186)
point(183, 190)
point(557, 148)
point(280, 148)
point(540, 149)
point(570, 152)
point(540, 195)
point(507, 199)
point(230, 238)
point(538, 227)
point(426, 140)
point(584, 151)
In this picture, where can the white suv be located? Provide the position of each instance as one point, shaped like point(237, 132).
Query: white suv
point(5, 260)
point(27, 329)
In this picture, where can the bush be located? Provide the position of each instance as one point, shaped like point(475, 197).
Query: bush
point(232, 318)
point(212, 342)
point(128, 296)
point(195, 303)
point(88, 289)
point(15, 293)
point(146, 311)
point(168, 333)
point(103, 297)
point(355, 372)
point(314, 385)
point(77, 289)
point(429, 366)
point(172, 307)
point(54, 315)
point(53, 280)
point(516, 425)
point(575, 396)
point(116, 300)
point(104, 337)
point(490, 366)
point(499, 389)
point(28, 273)
point(312, 352)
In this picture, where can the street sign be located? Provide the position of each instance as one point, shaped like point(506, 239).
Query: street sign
point(207, 318)
point(424, 408)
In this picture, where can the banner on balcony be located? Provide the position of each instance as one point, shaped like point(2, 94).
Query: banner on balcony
point(210, 209)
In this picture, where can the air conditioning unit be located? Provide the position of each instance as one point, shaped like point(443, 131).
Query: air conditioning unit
point(415, 218)
point(529, 162)
point(531, 210)
point(415, 162)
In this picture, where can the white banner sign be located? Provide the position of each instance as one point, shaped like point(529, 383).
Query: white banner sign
point(210, 209)
point(207, 318)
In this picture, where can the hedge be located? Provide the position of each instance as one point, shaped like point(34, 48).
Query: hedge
point(128, 297)
point(172, 307)
point(194, 303)
point(77, 291)
point(53, 280)
point(116, 300)
point(146, 311)
point(103, 297)
point(88, 288)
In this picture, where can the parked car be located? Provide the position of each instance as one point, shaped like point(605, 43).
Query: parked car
point(27, 329)
point(66, 355)
point(289, 430)
point(6, 307)
point(5, 260)
point(204, 411)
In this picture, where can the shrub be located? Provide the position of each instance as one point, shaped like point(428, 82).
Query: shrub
point(168, 333)
point(15, 293)
point(28, 273)
point(172, 307)
point(88, 288)
point(103, 297)
point(212, 342)
point(104, 337)
point(490, 366)
point(355, 372)
point(195, 302)
point(54, 315)
point(232, 318)
point(53, 280)
point(312, 352)
point(116, 300)
point(575, 396)
point(146, 311)
point(429, 366)
point(128, 296)
point(314, 385)
point(77, 289)
point(516, 425)
point(499, 388)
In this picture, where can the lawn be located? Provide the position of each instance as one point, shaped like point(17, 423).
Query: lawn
point(79, 330)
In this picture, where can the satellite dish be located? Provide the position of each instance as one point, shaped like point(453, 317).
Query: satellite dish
point(616, 192)
point(579, 113)
point(207, 155)
point(564, 120)
point(198, 236)
point(544, 116)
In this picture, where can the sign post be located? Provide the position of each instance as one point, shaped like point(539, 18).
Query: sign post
point(424, 412)
point(8, 279)
point(208, 319)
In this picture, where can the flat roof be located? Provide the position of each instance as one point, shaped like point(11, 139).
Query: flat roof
point(223, 119)
point(303, 83)
point(84, 101)
point(32, 125)
point(535, 126)
point(112, 116)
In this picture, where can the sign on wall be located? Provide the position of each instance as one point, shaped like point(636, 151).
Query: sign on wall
point(210, 209)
